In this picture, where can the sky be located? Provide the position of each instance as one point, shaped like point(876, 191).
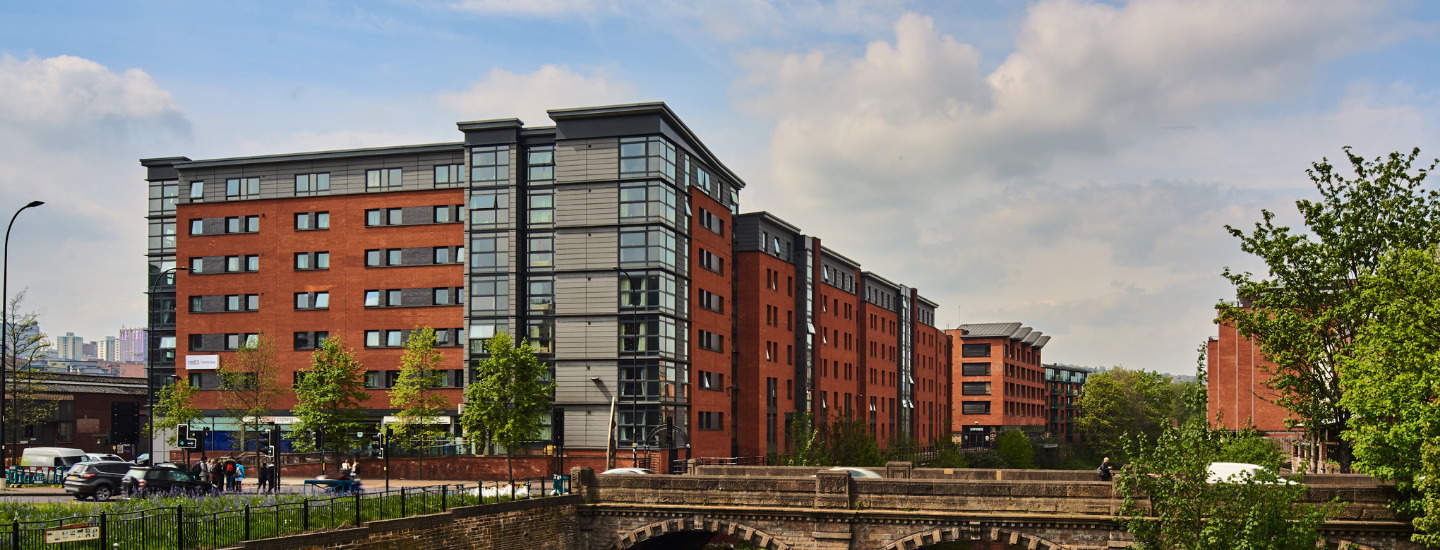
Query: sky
point(1068, 164)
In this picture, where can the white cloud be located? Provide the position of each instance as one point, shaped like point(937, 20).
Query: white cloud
point(71, 131)
point(1081, 184)
point(503, 94)
point(532, 8)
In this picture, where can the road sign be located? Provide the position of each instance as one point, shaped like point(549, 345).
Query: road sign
point(72, 533)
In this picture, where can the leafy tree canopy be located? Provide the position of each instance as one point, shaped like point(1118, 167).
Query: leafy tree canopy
point(414, 396)
point(1015, 448)
point(1121, 401)
point(329, 395)
point(509, 399)
point(1306, 312)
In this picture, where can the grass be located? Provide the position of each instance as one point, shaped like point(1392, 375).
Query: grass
point(219, 521)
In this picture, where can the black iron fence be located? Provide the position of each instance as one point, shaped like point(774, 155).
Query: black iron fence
point(179, 528)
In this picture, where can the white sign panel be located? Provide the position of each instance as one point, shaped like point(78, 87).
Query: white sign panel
point(202, 362)
point(431, 420)
point(88, 532)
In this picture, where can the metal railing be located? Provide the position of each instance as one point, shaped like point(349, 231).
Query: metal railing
point(175, 527)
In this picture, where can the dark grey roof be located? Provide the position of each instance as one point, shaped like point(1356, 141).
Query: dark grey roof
point(988, 330)
point(1042, 341)
point(872, 276)
point(772, 219)
point(652, 107)
point(839, 257)
point(927, 302)
point(321, 155)
point(1022, 333)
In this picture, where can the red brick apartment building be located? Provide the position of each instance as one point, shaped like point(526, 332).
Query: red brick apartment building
point(829, 339)
point(1000, 380)
point(606, 241)
point(1238, 376)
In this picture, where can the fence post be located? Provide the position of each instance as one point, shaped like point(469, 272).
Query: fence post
point(357, 508)
point(443, 490)
point(180, 527)
point(305, 514)
point(247, 522)
point(15, 536)
point(402, 502)
point(103, 540)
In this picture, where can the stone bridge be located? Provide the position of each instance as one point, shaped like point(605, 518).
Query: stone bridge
point(795, 508)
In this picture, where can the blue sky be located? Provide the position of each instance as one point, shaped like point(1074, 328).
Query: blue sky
point(1068, 164)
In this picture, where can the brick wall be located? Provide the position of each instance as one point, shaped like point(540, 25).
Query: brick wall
point(543, 524)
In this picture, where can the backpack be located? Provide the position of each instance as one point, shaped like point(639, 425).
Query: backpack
point(230, 467)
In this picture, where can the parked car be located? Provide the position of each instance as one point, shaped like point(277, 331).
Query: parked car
point(1240, 472)
point(98, 479)
point(164, 478)
point(103, 457)
point(856, 473)
point(56, 457)
point(628, 471)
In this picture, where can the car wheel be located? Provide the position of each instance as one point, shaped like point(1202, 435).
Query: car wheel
point(103, 493)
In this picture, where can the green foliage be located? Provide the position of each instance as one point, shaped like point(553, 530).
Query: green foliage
point(1392, 382)
point(1015, 449)
point(840, 443)
point(1307, 312)
point(947, 454)
point(1248, 446)
point(26, 385)
point(173, 407)
point(986, 458)
point(809, 445)
point(508, 402)
point(1120, 401)
point(1167, 480)
point(414, 396)
point(329, 396)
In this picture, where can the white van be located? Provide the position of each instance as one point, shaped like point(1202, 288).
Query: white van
point(51, 456)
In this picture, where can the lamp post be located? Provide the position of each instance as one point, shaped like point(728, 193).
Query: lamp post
point(5, 320)
point(150, 365)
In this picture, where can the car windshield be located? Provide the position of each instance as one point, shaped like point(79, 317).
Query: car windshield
point(70, 460)
point(75, 469)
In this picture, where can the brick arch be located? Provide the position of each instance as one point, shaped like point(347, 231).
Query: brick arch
point(936, 535)
point(744, 532)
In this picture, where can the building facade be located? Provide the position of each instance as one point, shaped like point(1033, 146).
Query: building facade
point(582, 238)
point(816, 334)
point(70, 347)
point(1240, 397)
point(1064, 384)
point(999, 380)
point(130, 347)
point(105, 348)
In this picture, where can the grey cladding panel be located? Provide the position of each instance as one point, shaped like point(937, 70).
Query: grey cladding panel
point(587, 426)
point(587, 160)
point(417, 256)
point(586, 293)
point(213, 226)
point(417, 215)
point(347, 175)
point(587, 204)
point(213, 303)
point(586, 249)
point(577, 337)
point(213, 264)
point(417, 297)
point(212, 341)
point(573, 382)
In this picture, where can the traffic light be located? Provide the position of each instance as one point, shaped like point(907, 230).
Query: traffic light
point(182, 437)
point(319, 439)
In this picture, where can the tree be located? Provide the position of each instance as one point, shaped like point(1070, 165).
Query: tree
point(850, 443)
point(173, 407)
point(1015, 448)
point(329, 395)
point(26, 384)
point(1119, 402)
point(249, 385)
point(1305, 313)
point(414, 394)
point(1392, 386)
point(1170, 504)
point(509, 399)
point(808, 446)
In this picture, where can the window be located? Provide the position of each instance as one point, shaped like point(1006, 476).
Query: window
point(442, 214)
point(648, 335)
point(542, 295)
point(197, 190)
point(640, 156)
point(242, 188)
point(394, 297)
point(701, 179)
point(312, 300)
point(640, 379)
point(310, 340)
point(197, 265)
point(395, 216)
point(975, 407)
point(711, 262)
point(241, 264)
point(197, 227)
point(236, 341)
point(489, 295)
point(712, 380)
point(449, 174)
point(488, 253)
point(197, 304)
point(975, 388)
point(542, 164)
point(442, 254)
point(656, 245)
point(394, 256)
point(381, 379)
point(490, 165)
point(382, 178)
point(540, 333)
point(975, 369)
point(374, 217)
point(242, 302)
point(542, 252)
point(974, 350)
point(652, 291)
point(440, 296)
point(710, 341)
point(542, 207)
point(712, 301)
point(649, 199)
point(309, 184)
point(489, 207)
point(712, 222)
point(310, 221)
point(710, 420)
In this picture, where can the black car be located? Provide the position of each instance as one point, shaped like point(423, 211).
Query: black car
point(162, 479)
point(95, 479)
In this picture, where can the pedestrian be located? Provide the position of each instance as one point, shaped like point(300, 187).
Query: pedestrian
point(1104, 469)
point(267, 476)
point(217, 475)
point(229, 479)
point(239, 477)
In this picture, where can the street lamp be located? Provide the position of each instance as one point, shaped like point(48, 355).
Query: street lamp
point(150, 364)
point(5, 319)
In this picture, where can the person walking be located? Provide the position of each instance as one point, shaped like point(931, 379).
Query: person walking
point(239, 477)
point(1104, 469)
point(229, 479)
